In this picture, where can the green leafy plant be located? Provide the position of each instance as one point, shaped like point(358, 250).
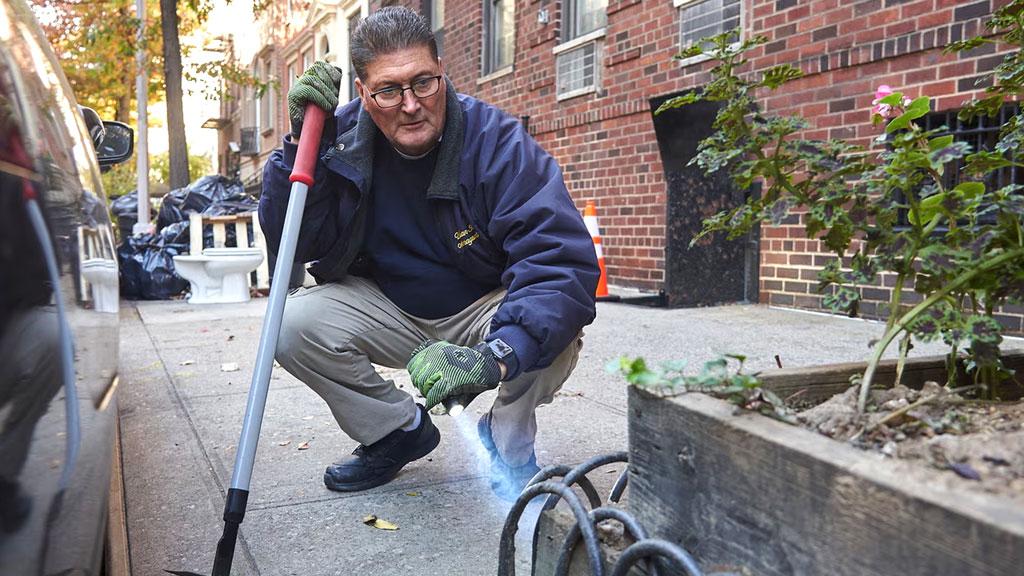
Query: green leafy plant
point(716, 378)
point(884, 210)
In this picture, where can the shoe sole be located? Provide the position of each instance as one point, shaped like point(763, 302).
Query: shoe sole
point(385, 478)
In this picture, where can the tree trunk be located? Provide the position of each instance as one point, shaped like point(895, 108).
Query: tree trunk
point(179, 176)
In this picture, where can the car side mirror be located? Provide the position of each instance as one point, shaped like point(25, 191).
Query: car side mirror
point(117, 145)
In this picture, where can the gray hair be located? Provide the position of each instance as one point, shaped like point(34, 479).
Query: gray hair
point(386, 31)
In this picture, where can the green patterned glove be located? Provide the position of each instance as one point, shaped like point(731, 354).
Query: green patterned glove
point(441, 369)
point(319, 84)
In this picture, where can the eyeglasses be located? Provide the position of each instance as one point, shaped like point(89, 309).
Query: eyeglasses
point(421, 88)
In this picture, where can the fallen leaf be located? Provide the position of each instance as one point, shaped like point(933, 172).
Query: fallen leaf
point(186, 362)
point(412, 493)
point(231, 337)
point(229, 367)
point(285, 443)
point(965, 471)
point(371, 520)
point(304, 446)
point(996, 460)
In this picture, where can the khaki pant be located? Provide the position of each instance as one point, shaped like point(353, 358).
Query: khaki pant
point(332, 333)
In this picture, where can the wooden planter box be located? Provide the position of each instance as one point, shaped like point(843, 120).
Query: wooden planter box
point(737, 488)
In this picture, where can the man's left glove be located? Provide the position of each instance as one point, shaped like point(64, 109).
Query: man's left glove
point(441, 369)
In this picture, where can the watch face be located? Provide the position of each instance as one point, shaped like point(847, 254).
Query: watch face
point(499, 348)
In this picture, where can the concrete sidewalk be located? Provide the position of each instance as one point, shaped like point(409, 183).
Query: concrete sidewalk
point(181, 416)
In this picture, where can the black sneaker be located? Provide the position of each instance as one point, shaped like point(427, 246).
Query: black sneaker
point(507, 482)
point(379, 463)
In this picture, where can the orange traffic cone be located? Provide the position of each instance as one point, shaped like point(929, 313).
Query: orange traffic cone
point(590, 219)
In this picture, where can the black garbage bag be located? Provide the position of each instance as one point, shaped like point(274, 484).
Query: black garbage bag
point(147, 268)
point(161, 282)
point(176, 233)
point(172, 208)
point(212, 195)
point(126, 210)
point(130, 258)
point(126, 204)
point(234, 200)
point(207, 191)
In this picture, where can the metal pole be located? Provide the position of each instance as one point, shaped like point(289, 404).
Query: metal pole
point(142, 225)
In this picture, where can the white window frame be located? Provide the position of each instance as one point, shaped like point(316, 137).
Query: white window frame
point(360, 9)
point(489, 69)
point(256, 99)
point(266, 110)
point(569, 11)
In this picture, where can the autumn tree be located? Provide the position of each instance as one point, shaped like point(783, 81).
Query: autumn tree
point(96, 41)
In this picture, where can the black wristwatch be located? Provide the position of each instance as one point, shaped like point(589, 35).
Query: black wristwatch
point(500, 349)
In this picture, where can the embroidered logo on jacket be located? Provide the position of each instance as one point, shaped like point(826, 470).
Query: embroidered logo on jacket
point(466, 237)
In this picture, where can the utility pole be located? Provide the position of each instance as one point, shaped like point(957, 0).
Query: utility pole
point(142, 226)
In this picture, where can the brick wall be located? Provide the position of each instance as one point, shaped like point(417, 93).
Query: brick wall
point(605, 141)
point(847, 49)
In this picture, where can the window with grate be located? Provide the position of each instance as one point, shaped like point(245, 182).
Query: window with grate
point(981, 133)
point(707, 18)
point(577, 70)
point(499, 35)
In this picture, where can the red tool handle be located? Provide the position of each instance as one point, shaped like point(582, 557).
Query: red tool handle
point(309, 145)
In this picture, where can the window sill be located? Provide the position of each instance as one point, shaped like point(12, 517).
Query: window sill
point(579, 41)
point(500, 73)
point(267, 131)
point(575, 93)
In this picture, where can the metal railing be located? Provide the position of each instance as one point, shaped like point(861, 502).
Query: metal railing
point(653, 550)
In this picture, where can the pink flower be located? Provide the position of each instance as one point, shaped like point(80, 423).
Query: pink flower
point(886, 111)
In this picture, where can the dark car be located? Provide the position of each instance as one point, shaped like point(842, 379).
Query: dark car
point(58, 312)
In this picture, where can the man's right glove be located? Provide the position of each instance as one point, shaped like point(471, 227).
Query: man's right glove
point(319, 84)
point(441, 369)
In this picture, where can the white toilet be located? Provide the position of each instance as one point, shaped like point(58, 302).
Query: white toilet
point(101, 274)
point(218, 276)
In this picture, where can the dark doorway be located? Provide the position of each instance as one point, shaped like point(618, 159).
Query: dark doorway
point(716, 270)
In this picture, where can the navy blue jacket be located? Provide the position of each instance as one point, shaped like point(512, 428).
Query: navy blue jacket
point(499, 202)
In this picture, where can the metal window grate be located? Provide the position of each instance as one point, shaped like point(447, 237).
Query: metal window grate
point(707, 18)
point(250, 142)
point(981, 133)
point(577, 69)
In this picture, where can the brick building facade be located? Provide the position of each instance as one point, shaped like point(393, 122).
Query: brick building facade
point(607, 141)
point(586, 74)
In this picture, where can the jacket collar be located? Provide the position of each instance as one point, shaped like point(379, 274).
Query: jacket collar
point(355, 148)
point(445, 183)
